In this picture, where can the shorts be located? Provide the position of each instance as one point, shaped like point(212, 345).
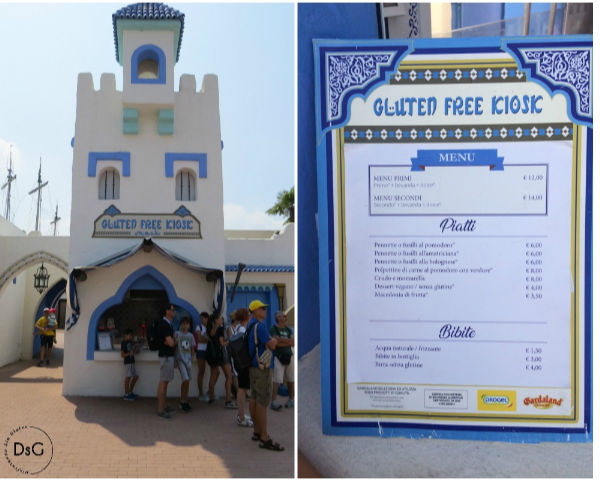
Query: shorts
point(244, 379)
point(167, 368)
point(185, 369)
point(130, 370)
point(280, 370)
point(201, 355)
point(47, 340)
point(261, 385)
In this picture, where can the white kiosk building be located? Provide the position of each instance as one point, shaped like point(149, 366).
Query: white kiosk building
point(147, 207)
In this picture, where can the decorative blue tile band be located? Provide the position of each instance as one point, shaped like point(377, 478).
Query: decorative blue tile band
point(171, 157)
point(95, 157)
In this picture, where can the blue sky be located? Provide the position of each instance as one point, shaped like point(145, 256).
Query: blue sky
point(250, 47)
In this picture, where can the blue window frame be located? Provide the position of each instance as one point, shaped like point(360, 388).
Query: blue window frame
point(148, 65)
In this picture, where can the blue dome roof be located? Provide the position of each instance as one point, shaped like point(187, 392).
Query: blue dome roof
point(148, 11)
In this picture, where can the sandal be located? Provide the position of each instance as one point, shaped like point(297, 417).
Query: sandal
point(270, 445)
point(255, 436)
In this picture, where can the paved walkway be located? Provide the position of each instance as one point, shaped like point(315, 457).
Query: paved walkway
point(109, 437)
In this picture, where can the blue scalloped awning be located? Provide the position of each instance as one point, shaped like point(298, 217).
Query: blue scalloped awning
point(259, 268)
point(147, 11)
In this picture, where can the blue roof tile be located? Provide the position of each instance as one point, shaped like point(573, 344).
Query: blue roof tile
point(147, 11)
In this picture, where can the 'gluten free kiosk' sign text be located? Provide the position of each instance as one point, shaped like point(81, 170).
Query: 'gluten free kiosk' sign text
point(115, 224)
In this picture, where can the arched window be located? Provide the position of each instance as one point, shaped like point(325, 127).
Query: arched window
point(108, 185)
point(185, 185)
point(148, 65)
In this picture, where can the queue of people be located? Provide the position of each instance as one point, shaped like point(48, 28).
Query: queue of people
point(209, 345)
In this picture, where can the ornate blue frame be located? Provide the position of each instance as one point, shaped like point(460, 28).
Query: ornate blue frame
point(558, 64)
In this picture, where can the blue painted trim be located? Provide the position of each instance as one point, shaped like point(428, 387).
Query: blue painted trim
point(149, 52)
point(120, 295)
point(588, 310)
point(95, 157)
point(171, 157)
point(72, 141)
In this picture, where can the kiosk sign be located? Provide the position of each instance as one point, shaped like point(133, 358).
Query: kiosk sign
point(454, 202)
point(115, 224)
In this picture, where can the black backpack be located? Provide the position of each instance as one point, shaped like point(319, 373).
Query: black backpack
point(152, 335)
point(238, 349)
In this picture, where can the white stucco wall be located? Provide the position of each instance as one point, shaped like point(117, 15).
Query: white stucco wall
point(276, 250)
point(11, 301)
point(98, 128)
point(9, 229)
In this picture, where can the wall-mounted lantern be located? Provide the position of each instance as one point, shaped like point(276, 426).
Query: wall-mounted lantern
point(40, 279)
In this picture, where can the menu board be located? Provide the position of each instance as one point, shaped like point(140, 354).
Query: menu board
point(455, 237)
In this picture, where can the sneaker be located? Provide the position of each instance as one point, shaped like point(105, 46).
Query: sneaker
point(134, 395)
point(275, 405)
point(203, 398)
point(231, 404)
point(289, 404)
point(164, 414)
point(248, 417)
point(47, 362)
point(185, 406)
point(41, 363)
point(243, 423)
point(129, 397)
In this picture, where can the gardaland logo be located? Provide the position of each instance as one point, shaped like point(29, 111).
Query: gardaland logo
point(543, 402)
point(496, 400)
point(28, 450)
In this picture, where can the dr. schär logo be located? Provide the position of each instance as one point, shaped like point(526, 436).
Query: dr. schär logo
point(28, 450)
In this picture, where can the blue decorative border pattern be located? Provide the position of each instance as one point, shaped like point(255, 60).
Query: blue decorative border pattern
point(458, 133)
point(351, 72)
point(559, 67)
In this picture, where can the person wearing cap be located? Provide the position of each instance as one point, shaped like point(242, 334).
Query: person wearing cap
point(261, 379)
point(47, 335)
